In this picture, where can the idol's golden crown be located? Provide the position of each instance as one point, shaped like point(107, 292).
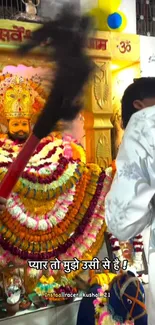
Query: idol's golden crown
point(18, 102)
point(17, 96)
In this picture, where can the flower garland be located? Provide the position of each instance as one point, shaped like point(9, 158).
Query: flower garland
point(88, 255)
point(45, 221)
point(37, 207)
point(89, 237)
point(94, 249)
point(57, 208)
point(6, 256)
point(62, 227)
point(13, 239)
point(35, 173)
point(137, 250)
point(102, 315)
point(78, 152)
point(70, 177)
point(88, 246)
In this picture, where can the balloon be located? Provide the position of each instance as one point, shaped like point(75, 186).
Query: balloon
point(124, 22)
point(109, 6)
point(101, 20)
point(114, 20)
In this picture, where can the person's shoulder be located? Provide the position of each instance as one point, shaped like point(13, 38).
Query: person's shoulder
point(143, 116)
point(139, 135)
point(141, 126)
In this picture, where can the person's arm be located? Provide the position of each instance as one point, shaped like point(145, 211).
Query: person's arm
point(128, 206)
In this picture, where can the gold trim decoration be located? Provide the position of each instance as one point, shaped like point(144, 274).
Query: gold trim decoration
point(101, 87)
point(20, 87)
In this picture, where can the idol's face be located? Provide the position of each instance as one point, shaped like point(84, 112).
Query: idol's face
point(19, 129)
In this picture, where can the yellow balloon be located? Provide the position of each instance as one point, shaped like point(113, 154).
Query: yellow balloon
point(109, 6)
point(101, 19)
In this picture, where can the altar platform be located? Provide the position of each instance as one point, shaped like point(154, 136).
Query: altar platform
point(52, 315)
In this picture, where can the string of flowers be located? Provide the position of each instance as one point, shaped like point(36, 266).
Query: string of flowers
point(31, 231)
point(116, 249)
point(62, 227)
point(102, 314)
point(93, 251)
point(48, 186)
point(47, 220)
point(137, 252)
point(37, 207)
point(8, 148)
point(88, 237)
point(78, 152)
point(70, 177)
point(87, 256)
point(99, 238)
point(7, 256)
point(138, 248)
point(86, 247)
point(62, 247)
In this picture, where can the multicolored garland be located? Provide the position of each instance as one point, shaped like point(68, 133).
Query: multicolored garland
point(102, 315)
point(57, 207)
point(137, 250)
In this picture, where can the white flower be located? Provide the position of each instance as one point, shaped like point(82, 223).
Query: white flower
point(109, 171)
point(15, 211)
point(22, 218)
point(31, 223)
point(53, 221)
point(42, 225)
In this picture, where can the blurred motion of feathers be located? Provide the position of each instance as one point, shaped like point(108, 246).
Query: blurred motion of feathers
point(67, 37)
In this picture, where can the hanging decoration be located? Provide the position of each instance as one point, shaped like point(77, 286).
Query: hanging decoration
point(108, 17)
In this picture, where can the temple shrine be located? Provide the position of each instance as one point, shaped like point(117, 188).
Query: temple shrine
point(24, 89)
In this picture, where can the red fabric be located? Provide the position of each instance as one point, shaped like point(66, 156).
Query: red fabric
point(17, 167)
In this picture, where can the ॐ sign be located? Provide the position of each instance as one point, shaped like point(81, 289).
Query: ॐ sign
point(124, 47)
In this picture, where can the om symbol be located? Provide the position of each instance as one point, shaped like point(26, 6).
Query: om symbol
point(125, 47)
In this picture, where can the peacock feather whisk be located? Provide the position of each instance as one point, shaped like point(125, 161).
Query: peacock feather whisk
point(65, 38)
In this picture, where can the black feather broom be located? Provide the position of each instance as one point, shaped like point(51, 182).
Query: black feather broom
point(67, 37)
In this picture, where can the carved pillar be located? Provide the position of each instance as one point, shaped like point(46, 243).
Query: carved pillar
point(98, 114)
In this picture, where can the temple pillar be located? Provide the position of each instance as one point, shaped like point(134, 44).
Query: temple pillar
point(98, 105)
point(98, 115)
point(116, 57)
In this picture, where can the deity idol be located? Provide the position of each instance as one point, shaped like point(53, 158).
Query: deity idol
point(56, 209)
